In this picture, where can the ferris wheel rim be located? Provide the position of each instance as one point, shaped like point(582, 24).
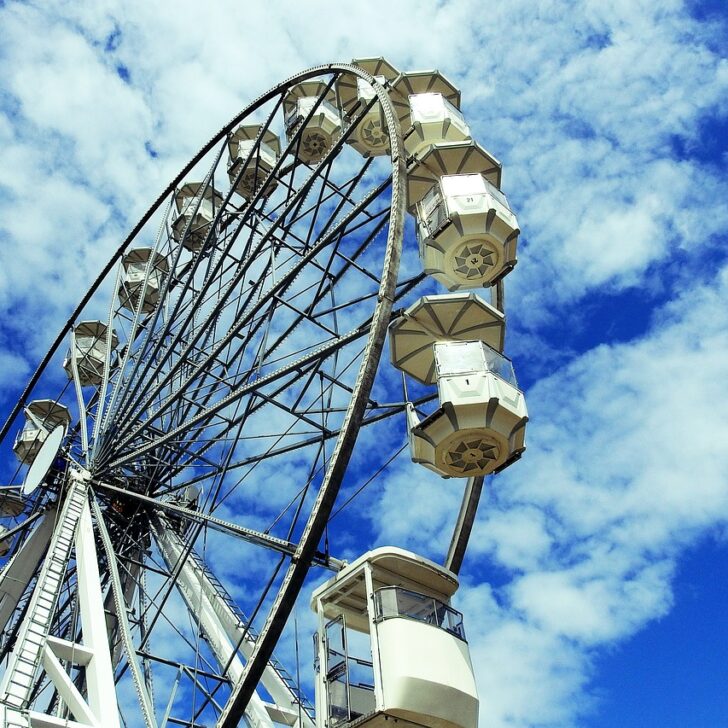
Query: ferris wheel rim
point(327, 494)
point(58, 342)
point(370, 358)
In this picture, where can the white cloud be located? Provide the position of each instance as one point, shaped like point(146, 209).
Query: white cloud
point(584, 104)
point(621, 475)
point(627, 472)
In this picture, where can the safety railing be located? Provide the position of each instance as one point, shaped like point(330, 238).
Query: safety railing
point(394, 601)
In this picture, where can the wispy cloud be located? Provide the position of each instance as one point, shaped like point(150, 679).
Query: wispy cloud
point(599, 113)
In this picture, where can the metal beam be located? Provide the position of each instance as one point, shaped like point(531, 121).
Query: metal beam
point(464, 524)
point(218, 524)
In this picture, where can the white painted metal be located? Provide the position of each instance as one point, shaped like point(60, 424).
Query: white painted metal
point(71, 651)
point(18, 679)
point(67, 691)
point(18, 572)
point(422, 670)
point(120, 607)
point(427, 674)
point(35, 650)
point(225, 630)
point(376, 655)
point(467, 232)
point(10, 718)
point(41, 720)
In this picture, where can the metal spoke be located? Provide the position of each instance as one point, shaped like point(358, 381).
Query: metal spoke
point(250, 349)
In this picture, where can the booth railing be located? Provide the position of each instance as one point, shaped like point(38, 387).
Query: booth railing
point(394, 601)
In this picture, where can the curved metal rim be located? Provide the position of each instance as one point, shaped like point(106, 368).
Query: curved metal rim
point(321, 510)
point(214, 140)
point(326, 497)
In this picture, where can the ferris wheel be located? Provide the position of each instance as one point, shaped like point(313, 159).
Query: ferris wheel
point(191, 448)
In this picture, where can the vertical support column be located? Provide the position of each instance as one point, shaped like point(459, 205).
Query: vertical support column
point(36, 650)
point(321, 695)
point(99, 671)
point(464, 524)
point(374, 637)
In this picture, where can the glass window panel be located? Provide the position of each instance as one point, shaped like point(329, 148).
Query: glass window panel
point(420, 607)
point(460, 357)
point(335, 645)
point(455, 185)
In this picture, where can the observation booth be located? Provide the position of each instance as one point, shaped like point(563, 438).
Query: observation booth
point(42, 416)
point(91, 343)
point(414, 661)
point(322, 130)
point(357, 98)
point(197, 206)
point(143, 274)
point(256, 158)
point(466, 231)
point(455, 341)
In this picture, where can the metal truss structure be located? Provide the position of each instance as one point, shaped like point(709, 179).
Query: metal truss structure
point(221, 371)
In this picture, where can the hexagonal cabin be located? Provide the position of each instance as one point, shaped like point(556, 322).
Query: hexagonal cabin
point(196, 209)
point(90, 344)
point(138, 265)
point(466, 231)
point(311, 113)
point(358, 105)
point(414, 83)
point(252, 160)
point(456, 340)
point(433, 120)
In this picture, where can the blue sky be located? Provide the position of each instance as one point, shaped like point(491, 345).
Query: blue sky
point(594, 586)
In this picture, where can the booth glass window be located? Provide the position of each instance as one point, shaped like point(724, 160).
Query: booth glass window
point(135, 271)
point(500, 365)
point(432, 210)
point(462, 357)
point(394, 601)
point(349, 679)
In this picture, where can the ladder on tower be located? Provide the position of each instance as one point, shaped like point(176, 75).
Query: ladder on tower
point(19, 677)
